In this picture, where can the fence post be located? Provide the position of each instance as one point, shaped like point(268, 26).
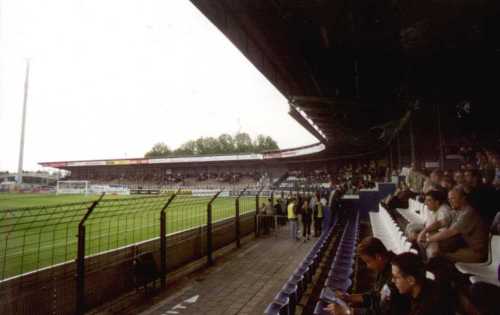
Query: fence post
point(80, 260)
point(237, 217)
point(210, 260)
point(163, 240)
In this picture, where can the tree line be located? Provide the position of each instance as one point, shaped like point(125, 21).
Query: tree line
point(223, 144)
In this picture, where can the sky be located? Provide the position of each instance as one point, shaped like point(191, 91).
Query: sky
point(110, 78)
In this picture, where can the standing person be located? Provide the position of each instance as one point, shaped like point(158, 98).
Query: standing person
point(306, 218)
point(299, 212)
point(267, 215)
point(318, 215)
point(292, 218)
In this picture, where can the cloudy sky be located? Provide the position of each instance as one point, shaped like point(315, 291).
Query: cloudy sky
point(109, 78)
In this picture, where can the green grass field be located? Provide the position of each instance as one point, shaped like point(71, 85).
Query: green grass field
point(37, 231)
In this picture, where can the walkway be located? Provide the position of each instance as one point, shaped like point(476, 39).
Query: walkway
point(242, 282)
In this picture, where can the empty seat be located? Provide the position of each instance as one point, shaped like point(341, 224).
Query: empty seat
point(341, 285)
point(319, 308)
point(292, 291)
point(490, 280)
point(276, 308)
point(489, 265)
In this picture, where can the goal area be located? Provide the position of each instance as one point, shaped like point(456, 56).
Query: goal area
point(74, 187)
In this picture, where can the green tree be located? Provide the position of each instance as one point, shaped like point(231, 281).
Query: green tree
point(243, 143)
point(159, 149)
point(265, 143)
point(226, 143)
point(188, 148)
point(212, 146)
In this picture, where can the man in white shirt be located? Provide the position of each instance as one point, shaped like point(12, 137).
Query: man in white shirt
point(439, 217)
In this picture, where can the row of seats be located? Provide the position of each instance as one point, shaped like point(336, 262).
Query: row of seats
point(286, 300)
point(342, 267)
point(388, 231)
point(488, 271)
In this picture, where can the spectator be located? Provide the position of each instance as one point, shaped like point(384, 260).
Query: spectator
point(482, 197)
point(468, 225)
point(439, 212)
point(399, 199)
point(268, 208)
point(426, 296)
point(458, 177)
point(306, 219)
point(292, 218)
point(441, 217)
point(268, 211)
point(378, 259)
point(433, 182)
point(446, 184)
point(415, 179)
point(318, 214)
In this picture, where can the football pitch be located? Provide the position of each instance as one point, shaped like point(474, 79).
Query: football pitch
point(40, 230)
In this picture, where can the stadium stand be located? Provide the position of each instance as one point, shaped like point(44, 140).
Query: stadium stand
point(397, 92)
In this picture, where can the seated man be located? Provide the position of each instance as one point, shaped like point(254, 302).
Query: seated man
point(427, 297)
point(467, 224)
point(440, 217)
point(439, 212)
point(482, 197)
point(384, 298)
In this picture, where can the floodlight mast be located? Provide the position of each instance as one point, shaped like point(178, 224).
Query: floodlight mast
point(23, 125)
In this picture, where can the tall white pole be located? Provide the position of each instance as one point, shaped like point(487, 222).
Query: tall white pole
point(23, 125)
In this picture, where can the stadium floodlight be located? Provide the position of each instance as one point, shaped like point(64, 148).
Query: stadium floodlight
point(75, 187)
point(23, 126)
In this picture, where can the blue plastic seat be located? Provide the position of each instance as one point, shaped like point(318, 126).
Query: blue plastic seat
point(276, 309)
point(341, 285)
point(327, 293)
point(319, 308)
point(283, 299)
point(292, 291)
point(298, 280)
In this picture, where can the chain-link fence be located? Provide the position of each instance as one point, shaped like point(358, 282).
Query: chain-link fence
point(105, 241)
point(37, 237)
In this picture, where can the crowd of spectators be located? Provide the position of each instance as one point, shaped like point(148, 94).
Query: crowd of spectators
point(352, 176)
point(167, 177)
point(463, 206)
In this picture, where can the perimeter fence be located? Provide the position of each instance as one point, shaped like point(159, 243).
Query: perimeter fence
point(70, 258)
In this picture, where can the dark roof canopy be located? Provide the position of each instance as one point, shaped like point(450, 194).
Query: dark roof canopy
point(353, 69)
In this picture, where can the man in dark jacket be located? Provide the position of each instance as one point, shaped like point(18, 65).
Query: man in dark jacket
point(427, 297)
point(384, 298)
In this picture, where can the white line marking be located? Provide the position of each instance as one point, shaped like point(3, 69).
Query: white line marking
point(192, 299)
point(179, 306)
